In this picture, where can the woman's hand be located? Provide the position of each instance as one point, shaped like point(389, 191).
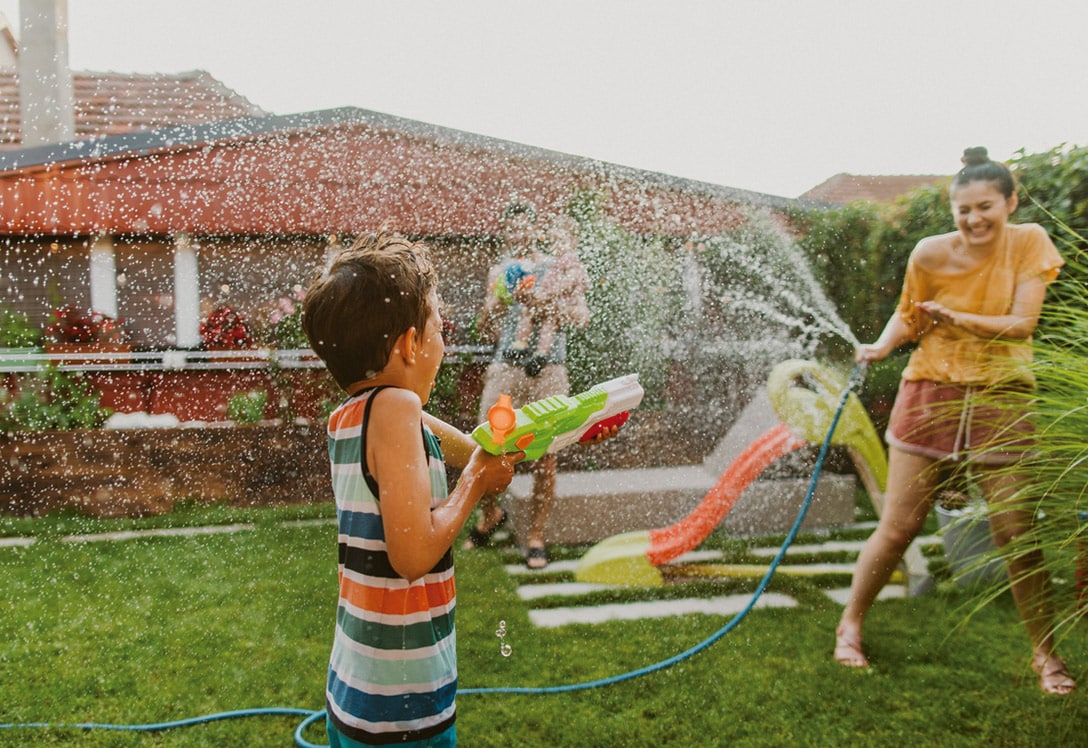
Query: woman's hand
point(895, 334)
point(868, 353)
point(939, 312)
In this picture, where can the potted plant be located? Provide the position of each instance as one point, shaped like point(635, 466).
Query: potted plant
point(285, 321)
point(17, 338)
point(50, 400)
point(72, 331)
point(969, 548)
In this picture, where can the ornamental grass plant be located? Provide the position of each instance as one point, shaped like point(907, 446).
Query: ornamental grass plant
point(1056, 467)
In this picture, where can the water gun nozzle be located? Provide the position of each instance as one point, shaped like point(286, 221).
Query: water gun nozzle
point(501, 418)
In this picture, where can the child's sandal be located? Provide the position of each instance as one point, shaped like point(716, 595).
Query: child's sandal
point(536, 557)
point(482, 538)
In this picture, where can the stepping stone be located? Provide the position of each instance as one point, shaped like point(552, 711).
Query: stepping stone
point(564, 589)
point(832, 546)
point(717, 606)
point(890, 591)
point(15, 542)
point(164, 533)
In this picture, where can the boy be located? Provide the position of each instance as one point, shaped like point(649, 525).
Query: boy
point(373, 318)
point(560, 294)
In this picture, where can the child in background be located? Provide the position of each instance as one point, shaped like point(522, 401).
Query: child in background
point(373, 317)
point(559, 291)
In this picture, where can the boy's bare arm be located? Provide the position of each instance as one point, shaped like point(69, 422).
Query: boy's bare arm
point(457, 446)
point(416, 537)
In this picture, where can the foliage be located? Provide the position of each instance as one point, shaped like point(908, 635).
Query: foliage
point(16, 330)
point(50, 399)
point(247, 407)
point(70, 325)
point(226, 328)
point(1054, 190)
point(284, 320)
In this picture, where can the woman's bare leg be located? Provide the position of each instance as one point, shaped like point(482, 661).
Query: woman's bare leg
point(907, 501)
point(1028, 577)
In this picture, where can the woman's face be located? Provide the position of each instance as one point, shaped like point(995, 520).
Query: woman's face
point(981, 211)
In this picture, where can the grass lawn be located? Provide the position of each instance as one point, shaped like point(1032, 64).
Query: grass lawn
point(163, 628)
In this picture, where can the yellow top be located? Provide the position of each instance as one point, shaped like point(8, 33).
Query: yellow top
point(947, 353)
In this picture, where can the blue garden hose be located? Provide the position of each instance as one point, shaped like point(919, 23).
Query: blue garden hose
point(312, 716)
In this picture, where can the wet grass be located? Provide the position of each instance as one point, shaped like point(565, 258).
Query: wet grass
point(164, 628)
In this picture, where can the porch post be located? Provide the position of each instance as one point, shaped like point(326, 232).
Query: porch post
point(103, 277)
point(186, 294)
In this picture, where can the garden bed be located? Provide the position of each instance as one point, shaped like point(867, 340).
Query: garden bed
point(133, 472)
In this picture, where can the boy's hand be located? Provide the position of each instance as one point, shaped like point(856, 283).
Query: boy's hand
point(493, 472)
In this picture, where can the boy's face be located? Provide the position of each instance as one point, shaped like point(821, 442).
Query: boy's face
point(561, 239)
point(432, 347)
point(519, 232)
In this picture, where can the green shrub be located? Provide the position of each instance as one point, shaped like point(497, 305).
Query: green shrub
point(16, 330)
point(247, 407)
point(50, 399)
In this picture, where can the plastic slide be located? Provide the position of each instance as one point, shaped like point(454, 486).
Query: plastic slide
point(804, 396)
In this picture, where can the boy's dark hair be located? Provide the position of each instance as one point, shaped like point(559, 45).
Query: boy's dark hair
point(977, 166)
point(371, 293)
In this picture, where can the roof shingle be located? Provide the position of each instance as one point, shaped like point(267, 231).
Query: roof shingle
point(114, 103)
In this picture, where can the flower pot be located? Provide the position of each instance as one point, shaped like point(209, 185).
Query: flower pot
point(969, 546)
point(82, 354)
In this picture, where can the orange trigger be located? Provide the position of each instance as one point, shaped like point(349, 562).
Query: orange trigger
point(525, 440)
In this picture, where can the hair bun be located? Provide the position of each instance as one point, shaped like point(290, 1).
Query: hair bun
point(974, 156)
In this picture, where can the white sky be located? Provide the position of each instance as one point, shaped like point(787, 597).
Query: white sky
point(764, 95)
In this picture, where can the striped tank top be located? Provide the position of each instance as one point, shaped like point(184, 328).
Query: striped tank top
point(393, 668)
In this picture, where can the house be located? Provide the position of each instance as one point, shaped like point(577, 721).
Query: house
point(159, 226)
point(112, 103)
point(143, 224)
point(847, 188)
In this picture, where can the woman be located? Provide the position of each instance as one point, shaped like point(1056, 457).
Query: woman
point(970, 300)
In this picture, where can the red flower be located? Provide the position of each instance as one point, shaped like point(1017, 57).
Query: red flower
point(69, 325)
point(226, 328)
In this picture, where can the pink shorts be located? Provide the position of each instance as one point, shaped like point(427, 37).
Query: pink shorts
point(961, 422)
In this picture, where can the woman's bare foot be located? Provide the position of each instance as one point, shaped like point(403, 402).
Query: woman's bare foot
point(1053, 677)
point(848, 648)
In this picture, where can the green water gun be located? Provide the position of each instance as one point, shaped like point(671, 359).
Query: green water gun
point(549, 425)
